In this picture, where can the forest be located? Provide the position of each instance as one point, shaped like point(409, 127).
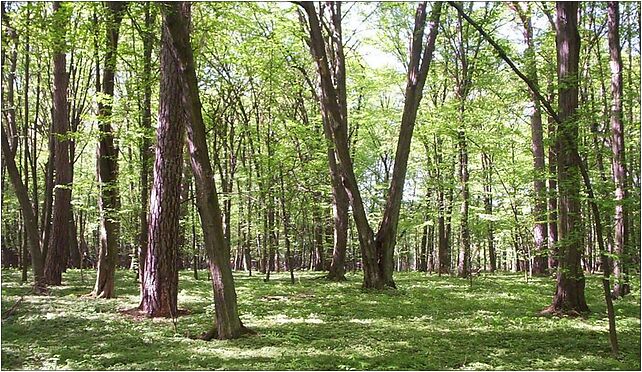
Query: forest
point(320, 185)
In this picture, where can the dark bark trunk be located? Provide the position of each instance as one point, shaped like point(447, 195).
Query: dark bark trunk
point(160, 278)
point(55, 262)
point(569, 295)
point(109, 199)
point(618, 164)
point(228, 323)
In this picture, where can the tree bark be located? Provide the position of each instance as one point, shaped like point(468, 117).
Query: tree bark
point(618, 162)
point(537, 146)
point(109, 199)
point(487, 165)
point(569, 295)
point(55, 262)
point(160, 278)
point(228, 323)
point(31, 222)
point(146, 151)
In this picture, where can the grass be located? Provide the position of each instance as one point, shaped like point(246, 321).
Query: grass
point(430, 323)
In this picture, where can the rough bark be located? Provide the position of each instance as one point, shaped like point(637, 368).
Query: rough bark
point(107, 169)
point(618, 162)
point(228, 323)
point(55, 262)
point(569, 295)
point(159, 287)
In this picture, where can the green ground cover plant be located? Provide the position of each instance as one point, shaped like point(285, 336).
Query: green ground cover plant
point(431, 323)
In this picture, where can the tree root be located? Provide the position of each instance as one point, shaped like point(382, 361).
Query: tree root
point(13, 308)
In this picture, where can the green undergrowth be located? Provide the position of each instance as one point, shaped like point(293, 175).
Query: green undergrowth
point(430, 323)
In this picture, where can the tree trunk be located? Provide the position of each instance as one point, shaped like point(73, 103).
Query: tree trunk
point(621, 287)
point(109, 199)
point(160, 279)
point(537, 146)
point(31, 222)
point(487, 165)
point(463, 268)
point(377, 253)
point(228, 323)
point(55, 262)
point(569, 296)
point(146, 151)
point(340, 206)
point(286, 228)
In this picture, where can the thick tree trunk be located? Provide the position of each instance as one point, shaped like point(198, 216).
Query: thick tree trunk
point(109, 199)
point(160, 277)
point(569, 295)
point(55, 262)
point(228, 323)
point(618, 164)
point(159, 282)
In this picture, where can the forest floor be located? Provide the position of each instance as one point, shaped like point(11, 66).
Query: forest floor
point(430, 323)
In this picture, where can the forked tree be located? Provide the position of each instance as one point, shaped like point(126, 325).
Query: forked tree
point(377, 251)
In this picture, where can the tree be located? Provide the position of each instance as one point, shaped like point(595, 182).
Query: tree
point(159, 280)
point(31, 221)
point(537, 147)
point(377, 252)
point(569, 294)
point(618, 162)
point(228, 324)
point(109, 200)
point(56, 261)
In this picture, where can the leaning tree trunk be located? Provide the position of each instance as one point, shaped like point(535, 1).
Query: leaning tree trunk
point(109, 199)
point(617, 146)
point(376, 252)
point(228, 323)
point(569, 294)
point(55, 261)
point(159, 285)
point(31, 221)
